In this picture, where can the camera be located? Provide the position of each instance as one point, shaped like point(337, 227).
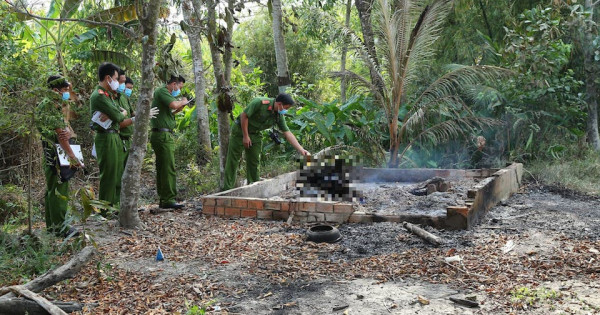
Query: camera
point(274, 135)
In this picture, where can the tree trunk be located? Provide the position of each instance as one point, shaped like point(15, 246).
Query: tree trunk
point(227, 54)
point(130, 186)
point(221, 86)
point(283, 76)
point(344, 54)
point(364, 13)
point(590, 85)
point(18, 306)
point(193, 19)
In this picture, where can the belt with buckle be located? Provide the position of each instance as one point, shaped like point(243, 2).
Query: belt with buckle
point(162, 130)
point(107, 131)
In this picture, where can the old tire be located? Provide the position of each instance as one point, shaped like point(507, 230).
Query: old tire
point(323, 234)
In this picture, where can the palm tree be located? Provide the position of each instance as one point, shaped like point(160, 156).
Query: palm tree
point(406, 31)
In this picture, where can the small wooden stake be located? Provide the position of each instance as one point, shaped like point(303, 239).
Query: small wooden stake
point(435, 240)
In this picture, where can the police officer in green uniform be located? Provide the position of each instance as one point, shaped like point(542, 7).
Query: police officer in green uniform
point(109, 146)
point(260, 114)
point(162, 140)
point(54, 128)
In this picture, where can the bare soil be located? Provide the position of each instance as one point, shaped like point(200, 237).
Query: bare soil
point(262, 267)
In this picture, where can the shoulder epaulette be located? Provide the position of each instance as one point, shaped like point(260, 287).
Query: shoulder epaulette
point(265, 102)
point(100, 91)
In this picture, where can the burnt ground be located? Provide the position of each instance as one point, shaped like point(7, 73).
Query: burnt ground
point(536, 253)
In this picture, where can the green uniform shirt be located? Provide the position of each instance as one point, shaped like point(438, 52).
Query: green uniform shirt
point(165, 118)
point(262, 115)
point(102, 101)
point(48, 118)
point(123, 102)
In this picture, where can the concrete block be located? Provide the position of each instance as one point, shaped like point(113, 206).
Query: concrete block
point(280, 215)
point(337, 217)
point(315, 217)
point(360, 217)
point(264, 214)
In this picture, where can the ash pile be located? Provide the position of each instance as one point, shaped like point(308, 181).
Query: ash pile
point(329, 178)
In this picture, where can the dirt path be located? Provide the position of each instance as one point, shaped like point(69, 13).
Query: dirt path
point(259, 267)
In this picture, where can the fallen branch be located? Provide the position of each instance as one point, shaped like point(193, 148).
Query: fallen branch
point(59, 274)
point(435, 240)
point(41, 301)
point(25, 306)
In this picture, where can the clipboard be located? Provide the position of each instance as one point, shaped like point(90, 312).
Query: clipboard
point(63, 158)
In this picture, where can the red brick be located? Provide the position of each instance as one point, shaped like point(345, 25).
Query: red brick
point(324, 207)
point(256, 204)
point(220, 211)
point(264, 214)
point(232, 212)
point(343, 208)
point(293, 206)
point(240, 203)
point(273, 205)
point(280, 215)
point(285, 206)
point(247, 213)
point(208, 202)
point(208, 210)
point(224, 202)
point(307, 206)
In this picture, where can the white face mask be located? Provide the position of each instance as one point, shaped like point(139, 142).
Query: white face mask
point(114, 84)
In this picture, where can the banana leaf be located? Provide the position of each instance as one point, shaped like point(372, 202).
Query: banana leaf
point(122, 60)
point(69, 8)
point(115, 15)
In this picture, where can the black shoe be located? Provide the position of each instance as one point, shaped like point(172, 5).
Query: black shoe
point(172, 206)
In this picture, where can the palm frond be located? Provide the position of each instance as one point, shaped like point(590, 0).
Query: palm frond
point(424, 35)
point(460, 76)
point(451, 129)
point(360, 81)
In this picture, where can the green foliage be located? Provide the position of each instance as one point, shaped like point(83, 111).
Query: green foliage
point(357, 123)
point(12, 202)
point(24, 257)
point(198, 310)
point(306, 56)
point(545, 99)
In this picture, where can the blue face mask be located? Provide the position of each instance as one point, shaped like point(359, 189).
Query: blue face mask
point(175, 93)
point(128, 92)
point(121, 88)
point(66, 96)
point(283, 112)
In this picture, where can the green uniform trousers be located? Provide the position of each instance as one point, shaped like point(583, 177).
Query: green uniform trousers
point(55, 205)
point(124, 156)
point(234, 153)
point(166, 182)
point(109, 151)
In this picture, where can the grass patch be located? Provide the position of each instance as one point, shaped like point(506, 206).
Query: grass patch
point(24, 257)
point(530, 297)
point(577, 171)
